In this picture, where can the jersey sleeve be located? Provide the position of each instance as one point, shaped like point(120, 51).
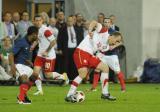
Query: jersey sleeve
point(49, 35)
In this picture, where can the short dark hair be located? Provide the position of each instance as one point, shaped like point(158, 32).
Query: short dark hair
point(101, 14)
point(31, 30)
point(37, 16)
point(7, 13)
point(116, 33)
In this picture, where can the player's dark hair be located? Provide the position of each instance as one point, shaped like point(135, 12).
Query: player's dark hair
point(101, 14)
point(31, 30)
point(106, 18)
point(37, 16)
point(116, 34)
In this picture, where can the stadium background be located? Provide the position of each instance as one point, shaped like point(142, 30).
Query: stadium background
point(138, 20)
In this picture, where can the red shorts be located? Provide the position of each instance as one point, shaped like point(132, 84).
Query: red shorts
point(84, 59)
point(46, 64)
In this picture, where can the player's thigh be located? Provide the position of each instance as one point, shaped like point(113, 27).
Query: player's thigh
point(24, 70)
point(102, 67)
point(113, 62)
point(83, 72)
point(36, 70)
point(23, 78)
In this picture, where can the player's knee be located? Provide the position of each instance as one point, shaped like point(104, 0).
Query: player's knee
point(33, 77)
point(82, 72)
point(23, 79)
point(103, 67)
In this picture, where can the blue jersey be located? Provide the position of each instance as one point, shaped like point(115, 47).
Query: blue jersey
point(110, 30)
point(21, 51)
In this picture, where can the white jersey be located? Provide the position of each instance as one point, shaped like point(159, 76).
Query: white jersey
point(112, 61)
point(102, 44)
point(45, 36)
point(99, 42)
point(88, 44)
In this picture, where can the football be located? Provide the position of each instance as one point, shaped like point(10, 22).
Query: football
point(80, 96)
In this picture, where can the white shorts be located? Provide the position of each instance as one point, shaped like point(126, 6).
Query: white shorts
point(112, 61)
point(23, 70)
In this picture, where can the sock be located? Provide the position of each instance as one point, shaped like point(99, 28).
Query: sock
point(23, 88)
point(74, 85)
point(38, 83)
point(30, 84)
point(121, 80)
point(95, 79)
point(104, 83)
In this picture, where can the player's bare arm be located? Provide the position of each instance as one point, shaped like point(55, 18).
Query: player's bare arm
point(52, 43)
point(28, 62)
point(12, 65)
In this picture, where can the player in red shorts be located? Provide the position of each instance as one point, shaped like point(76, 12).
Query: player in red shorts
point(46, 54)
point(84, 59)
point(45, 59)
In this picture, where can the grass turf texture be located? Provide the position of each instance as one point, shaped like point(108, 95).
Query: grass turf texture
point(137, 98)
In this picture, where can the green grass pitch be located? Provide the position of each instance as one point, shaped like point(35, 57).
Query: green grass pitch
point(137, 98)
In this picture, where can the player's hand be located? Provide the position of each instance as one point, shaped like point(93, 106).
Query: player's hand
point(45, 54)
point(111, 48)
point(28, 62)
point(99, 55)
point(90, 34)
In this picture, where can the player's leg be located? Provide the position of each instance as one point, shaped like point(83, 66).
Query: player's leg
point(34, 78)
point(121, 78)
point(81, 61)
point(22, 76)
point(49, 74)
point(75, 83)
point(23, 88)
point(113, 63)
point(104, 81)
point(96, 77)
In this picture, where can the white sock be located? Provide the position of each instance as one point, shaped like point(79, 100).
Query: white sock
point(74, 85)
point(38, 83)
point(104, 83)
point(56, 75)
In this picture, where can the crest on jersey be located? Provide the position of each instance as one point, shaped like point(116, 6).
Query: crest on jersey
point(85, 61)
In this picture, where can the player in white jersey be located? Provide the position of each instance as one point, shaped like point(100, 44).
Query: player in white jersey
point(84, 60)
point(45, 59)
point(107, 43)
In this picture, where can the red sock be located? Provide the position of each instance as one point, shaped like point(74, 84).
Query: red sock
point(23, 91)
point(121, 80)
point(30, 84)
point(95, 79)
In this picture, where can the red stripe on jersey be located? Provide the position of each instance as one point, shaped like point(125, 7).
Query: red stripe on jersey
point(103, 30)
point(47, 33)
